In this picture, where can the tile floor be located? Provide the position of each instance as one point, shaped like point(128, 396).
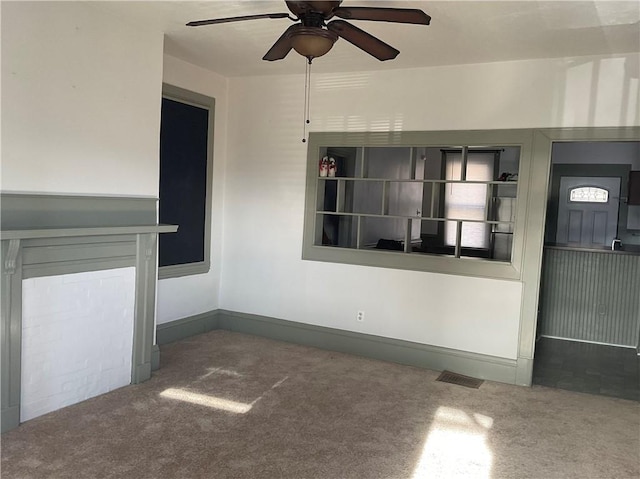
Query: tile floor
point(588, 368)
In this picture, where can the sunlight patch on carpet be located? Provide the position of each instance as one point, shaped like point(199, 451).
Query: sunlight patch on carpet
point(456, 446)
point(213, 401)
point(221, 371)
point(206, 400)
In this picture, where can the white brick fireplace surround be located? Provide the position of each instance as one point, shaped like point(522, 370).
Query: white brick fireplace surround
point(77, 338)
point(78, 299)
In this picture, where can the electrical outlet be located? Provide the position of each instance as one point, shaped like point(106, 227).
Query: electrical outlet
point(360, 316)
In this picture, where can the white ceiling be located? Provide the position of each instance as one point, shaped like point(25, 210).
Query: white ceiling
point(461, 32)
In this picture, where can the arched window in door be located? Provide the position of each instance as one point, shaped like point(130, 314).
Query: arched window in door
point(589, 194)
point(587, 211)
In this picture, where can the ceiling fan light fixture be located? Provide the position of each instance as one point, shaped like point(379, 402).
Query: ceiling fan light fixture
point(312, 42)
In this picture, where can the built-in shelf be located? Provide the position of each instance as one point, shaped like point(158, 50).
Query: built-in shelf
point(416, 180)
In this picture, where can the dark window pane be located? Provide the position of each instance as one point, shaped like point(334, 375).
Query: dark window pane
point(183, 181)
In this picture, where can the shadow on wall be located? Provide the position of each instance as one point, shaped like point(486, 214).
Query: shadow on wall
point(355, 122)
point(607, 91)
point(585, 92)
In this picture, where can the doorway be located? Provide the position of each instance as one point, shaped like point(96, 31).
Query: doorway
point(588, 210)
point(589, 313)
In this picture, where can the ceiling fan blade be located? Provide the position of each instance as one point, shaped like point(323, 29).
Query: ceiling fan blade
point(213, 21)
point(282, 46)
point(379, 14)
point(363, 40)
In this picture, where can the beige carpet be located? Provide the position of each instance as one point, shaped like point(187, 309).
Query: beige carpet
point(228, 405)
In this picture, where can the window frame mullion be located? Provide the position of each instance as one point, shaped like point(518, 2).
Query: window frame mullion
point(434, 260)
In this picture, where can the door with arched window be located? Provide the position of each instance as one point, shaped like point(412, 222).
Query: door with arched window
point(588, 211)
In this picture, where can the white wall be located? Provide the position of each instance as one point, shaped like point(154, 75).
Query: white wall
point(262, 272)
point(80, 101)
point(81, 94)
point(186, 296)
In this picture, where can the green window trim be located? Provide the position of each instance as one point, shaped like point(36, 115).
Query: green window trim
point(402, 259)
point(196, 99)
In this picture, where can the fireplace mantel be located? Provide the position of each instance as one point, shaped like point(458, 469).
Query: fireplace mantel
point(96, 231)
point(40, 247)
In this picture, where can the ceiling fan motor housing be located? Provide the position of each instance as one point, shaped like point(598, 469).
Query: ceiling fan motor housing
point(322, 7)
point(315, 31)
point(311, 39)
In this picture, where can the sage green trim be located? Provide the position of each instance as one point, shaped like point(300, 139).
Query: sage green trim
point(11, 327)
point(72, 267)
point(207, 102)
point(376, 347)
point(420, 262)
point(76, 255)
point(10, 418)
point(155, 357)
point(186, 327)
point(524, 371)
point(67, 251)
point(144, 323)
point(43, 249)
point(44, 211)
point(179, 270)
point(535, 223)
point(67, 232)
point(532, 261)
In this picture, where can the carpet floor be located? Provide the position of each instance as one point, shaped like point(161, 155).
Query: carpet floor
point(230, 405)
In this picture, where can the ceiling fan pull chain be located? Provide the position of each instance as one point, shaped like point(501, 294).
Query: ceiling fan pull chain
point(307, 93)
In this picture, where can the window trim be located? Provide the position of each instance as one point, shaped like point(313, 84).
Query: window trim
point(202, 101)
point(522, 138)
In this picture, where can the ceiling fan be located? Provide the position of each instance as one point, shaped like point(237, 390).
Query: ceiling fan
point(313, 34)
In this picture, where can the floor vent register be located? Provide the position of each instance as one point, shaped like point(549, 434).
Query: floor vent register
point(459, 379)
